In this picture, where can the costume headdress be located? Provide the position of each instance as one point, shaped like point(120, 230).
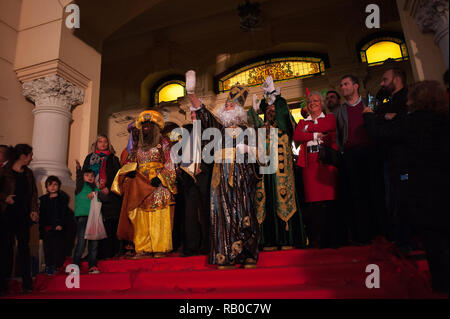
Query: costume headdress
point(238, 94)
point(152, 116)
point(130, 140)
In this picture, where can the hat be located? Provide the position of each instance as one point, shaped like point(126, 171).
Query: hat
point(238, 94)
point(152, 116)
point(130, 139)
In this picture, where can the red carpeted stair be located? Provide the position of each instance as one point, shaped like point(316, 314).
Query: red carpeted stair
point(294, 274)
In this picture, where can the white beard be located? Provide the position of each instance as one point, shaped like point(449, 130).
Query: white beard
point(232, 117)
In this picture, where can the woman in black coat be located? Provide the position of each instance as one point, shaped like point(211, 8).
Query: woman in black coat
point(423, 180)
point(105, 165)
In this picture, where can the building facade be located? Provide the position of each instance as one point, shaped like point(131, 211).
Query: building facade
point(61, 85)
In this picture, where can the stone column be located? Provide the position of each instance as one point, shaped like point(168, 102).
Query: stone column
point(432, 16)
point(54, 98)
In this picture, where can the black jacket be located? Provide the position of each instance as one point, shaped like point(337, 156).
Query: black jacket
point(8, 187)
point(52, 212)
point(112, 203)
point(395, 104)
point(424, 142)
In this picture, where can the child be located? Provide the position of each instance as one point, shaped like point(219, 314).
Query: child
point(84, 192)
point(53, 209)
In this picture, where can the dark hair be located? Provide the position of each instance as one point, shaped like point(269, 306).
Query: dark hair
point(7, 151)
point(52, 179)
point(397, 72)
point(20, 149)
point(354, 79)
point(334, 92)
point(427, 96)
point(446, 77)
point(88, 171)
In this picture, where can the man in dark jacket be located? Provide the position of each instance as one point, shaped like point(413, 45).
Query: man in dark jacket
point(360, 170)
point(392, 108)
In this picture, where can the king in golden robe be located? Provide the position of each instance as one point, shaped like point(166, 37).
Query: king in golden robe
point(148, 186)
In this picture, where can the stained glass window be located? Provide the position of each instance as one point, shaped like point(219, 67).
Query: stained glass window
point(281, 69)
point(170, 91)
point(376, 51)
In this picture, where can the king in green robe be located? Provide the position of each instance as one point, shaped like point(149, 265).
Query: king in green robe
point(277, 204)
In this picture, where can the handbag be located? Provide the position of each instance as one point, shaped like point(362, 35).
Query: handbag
point(95, 230)
point(330, 156)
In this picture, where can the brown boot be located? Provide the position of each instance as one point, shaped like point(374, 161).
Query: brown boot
point(159, 255)
point(226, 267)
point(250, 263)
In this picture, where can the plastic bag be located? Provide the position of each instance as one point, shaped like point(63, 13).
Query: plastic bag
point(95, 230)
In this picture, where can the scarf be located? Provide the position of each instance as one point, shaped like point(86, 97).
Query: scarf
point(98, 164)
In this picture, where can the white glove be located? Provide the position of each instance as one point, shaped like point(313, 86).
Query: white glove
point(256, 103)
point(190, 82)
point(268, 86)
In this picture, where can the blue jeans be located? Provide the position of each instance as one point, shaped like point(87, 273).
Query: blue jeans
point(81, 244)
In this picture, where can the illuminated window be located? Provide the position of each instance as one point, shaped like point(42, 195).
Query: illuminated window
point(297, 114)
point(170, 91)
point(378, 50)
point(281, 69)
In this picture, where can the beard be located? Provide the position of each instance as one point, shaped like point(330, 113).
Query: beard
point(232, 117)
point(388, 89)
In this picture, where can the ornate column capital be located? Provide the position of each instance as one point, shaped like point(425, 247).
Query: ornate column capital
point(432, 15)
point(53, 90)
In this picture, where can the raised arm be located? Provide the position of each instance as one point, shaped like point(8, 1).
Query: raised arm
point(79, 178)
point(190, 90)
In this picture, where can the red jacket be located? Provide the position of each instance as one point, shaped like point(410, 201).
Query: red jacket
point(324, 125)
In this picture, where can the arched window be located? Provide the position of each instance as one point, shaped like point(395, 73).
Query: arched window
point(280, 68)
point(379, 49)
point(169, 91)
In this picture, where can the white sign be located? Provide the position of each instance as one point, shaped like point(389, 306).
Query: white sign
point(73, 279)
point(373, 280)
point(373, 19)
point(73, 19)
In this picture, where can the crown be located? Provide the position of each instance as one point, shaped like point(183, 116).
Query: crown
point(151, 116)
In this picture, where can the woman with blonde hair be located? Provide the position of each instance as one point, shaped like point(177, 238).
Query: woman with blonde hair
point(319, 179)
point(105, 164)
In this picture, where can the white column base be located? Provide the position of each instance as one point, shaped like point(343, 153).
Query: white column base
point(43, 169)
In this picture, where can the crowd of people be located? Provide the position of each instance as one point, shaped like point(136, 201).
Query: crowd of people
point(364, 170)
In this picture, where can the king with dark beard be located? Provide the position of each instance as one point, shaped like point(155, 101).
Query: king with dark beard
point(234, 227)
point(148, 186)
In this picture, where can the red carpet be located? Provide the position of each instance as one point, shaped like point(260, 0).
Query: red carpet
point(294, 274)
